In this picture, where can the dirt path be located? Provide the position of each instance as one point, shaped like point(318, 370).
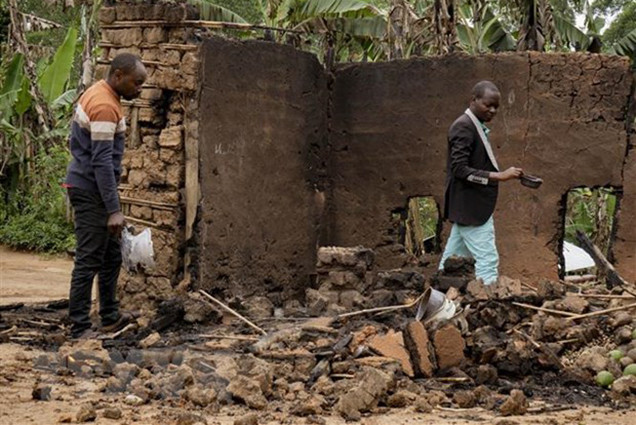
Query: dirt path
point(27, 277)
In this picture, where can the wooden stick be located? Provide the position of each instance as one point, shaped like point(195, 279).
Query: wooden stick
point(379, 309)
point(613, 278)
point(545, 310)
point(149, 203)
point(232, 337)
point(200, 24)
point(140, 221)
point(580, 279)
point(605, 296)
point(229, 310)
point(543, 348)
point(9, 331)
point(167, 46)
point(453, 379)
point(529, 286)
point(601, 312)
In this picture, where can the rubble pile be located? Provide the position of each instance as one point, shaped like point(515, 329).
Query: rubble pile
point(511, 348)
point(346, 280)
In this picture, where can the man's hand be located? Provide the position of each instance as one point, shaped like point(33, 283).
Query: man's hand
point(509, 174)
point(116, 223)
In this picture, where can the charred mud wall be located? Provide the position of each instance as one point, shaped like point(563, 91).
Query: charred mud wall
point(562, 117)
point(263, 127)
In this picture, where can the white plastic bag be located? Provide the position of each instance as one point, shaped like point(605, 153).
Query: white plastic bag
point(137, 250)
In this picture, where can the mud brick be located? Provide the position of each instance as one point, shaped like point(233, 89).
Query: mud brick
point(107, 15)
point(392, 345)
point(190, 63)
point(123, 37)
point(155, 35)
point(171, 137)
point(417, 343)
point(449, 347)
point(343, 279)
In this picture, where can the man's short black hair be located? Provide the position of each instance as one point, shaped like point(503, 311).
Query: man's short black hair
point(126, 62)
point(479, 90)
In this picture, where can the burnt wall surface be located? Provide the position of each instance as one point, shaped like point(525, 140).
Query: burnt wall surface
point(263, 124)
point(290, 162)
point(562, 117)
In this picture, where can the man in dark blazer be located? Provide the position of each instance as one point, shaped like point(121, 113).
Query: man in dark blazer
point(472, 183)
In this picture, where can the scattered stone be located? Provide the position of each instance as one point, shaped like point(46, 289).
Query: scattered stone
point(486, 374)
point(621, 318)
point(373, 384)
point(86, 413)
point(258, 308)
point(249, 419)
point(573, 304)
point(515, 404)
point(200, 396)
point(392, 345)
point(464, 399)
point(112, 413)
point(550, 290)
point(420, 348)
point(189, 418)
point(625, 385)
point(477, 291)
point(449, 347)
point(41, 392)
point(401, 398)
point(422, 405)
point(248, 391)
point(593, 359)
point(623, 335)
point(150, 340)
point(133, 400)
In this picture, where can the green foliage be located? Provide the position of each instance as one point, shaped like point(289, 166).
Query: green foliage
point(34, 217)
point(213, 12)
point(624, 24)
point(591, 212)
point(57, 73)
point(32, 163)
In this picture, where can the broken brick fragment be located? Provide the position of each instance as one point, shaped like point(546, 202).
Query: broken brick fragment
point(449, 347)
point(392, 345)
point(417, 343)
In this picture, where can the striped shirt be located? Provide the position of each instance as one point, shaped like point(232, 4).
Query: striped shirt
point(97, 144)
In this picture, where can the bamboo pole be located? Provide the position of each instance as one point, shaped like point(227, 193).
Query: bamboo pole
point(229, 310)
point(166, 46)
point(545, 310)
point(148, 202)
point(381, 309)
point(606, 296)
point(197, 24)
point(140, 221)
point(601, 312)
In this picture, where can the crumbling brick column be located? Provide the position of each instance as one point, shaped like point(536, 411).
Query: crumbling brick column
point(159, 187)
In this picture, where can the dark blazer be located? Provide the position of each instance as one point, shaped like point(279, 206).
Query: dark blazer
point(470, 195)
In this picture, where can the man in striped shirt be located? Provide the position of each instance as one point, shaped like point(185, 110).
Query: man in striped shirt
point(97, 146)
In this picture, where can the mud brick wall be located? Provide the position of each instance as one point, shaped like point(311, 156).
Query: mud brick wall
point(263, 127)
point(562, 117)
point(162, 127)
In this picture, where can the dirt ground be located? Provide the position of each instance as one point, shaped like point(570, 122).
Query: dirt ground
point(28, 278)
point(33, 278)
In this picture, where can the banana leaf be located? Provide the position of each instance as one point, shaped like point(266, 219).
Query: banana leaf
point(55, 76)
point(213, 12)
